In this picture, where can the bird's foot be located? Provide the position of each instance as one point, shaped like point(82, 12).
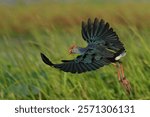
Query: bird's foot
point(126, 84)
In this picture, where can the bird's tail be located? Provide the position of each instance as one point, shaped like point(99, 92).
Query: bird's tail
point(46, 60)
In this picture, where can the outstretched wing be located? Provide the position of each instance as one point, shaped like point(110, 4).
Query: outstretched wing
point(83, 63)
point(99, 32)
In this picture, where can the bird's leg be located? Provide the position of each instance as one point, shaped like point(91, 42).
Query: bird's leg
point(118, 75)
point(122, 71)
point(118, 70)
point(121, 77)
point(125, 83)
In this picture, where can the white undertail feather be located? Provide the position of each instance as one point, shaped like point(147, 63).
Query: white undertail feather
point(120, 56)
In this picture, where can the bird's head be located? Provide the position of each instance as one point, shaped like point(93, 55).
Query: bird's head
point(73, 49)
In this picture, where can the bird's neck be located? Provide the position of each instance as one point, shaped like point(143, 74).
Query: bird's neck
point(81, 50)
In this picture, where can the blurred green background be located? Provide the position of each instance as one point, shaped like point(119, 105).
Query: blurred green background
point(29, 27)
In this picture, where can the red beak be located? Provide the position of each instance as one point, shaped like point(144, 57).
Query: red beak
point(70, 51)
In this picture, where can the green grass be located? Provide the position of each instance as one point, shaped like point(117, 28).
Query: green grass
point(27, 31)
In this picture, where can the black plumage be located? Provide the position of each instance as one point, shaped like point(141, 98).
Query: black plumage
point(102, 49)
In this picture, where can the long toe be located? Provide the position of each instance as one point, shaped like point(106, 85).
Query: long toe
point(126, 84)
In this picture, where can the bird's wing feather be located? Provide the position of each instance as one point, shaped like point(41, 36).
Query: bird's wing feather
point(100, 32)
point(82, 63)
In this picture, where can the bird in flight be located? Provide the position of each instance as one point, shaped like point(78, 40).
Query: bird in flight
point(103, 47)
